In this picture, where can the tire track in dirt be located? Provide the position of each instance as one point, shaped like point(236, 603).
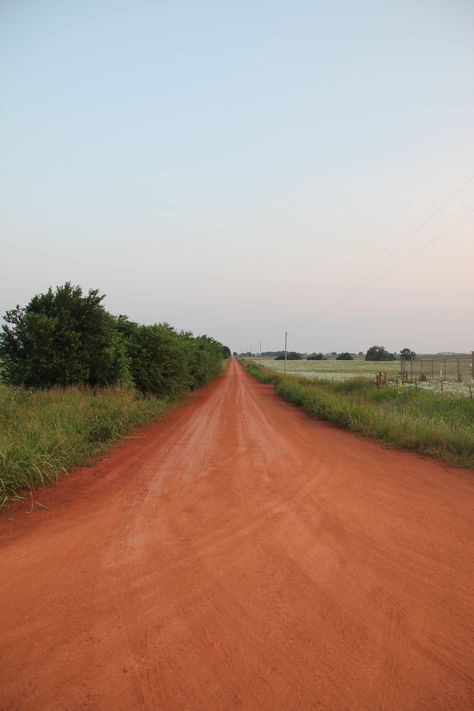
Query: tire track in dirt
point(238, 554)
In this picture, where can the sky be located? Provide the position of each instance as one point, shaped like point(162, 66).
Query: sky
point(247, 168)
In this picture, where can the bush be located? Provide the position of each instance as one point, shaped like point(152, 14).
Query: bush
point(204, 358)
point(62, 338)
point(158, 360)
point(344, 356)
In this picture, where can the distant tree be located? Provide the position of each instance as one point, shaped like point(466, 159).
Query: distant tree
point(344, 356)
point(407, 354)
point(292, 355)
point(63, 337)
point(316, 356)
point(378, 353)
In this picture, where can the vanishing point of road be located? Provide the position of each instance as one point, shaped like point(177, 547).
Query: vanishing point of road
point(239, 555)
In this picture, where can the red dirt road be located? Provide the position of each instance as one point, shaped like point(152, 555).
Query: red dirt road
point(238, 554)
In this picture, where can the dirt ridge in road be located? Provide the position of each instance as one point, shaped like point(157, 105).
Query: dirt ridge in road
point(238, 554)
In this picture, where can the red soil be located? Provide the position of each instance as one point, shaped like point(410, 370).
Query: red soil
point(238, 554)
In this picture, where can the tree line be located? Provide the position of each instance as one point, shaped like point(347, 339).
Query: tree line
point(65, 337)
point(374, 353)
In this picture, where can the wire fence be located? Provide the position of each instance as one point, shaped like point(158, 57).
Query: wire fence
point(445, 374)
point(451, 369)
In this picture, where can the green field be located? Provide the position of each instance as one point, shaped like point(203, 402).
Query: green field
point(336, 370)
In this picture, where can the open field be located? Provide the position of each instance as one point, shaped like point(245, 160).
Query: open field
point(44, 433)
point(442, 426)
point(332, 369)
point(239, 554)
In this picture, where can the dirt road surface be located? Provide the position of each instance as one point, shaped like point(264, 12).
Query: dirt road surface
point(238, 554)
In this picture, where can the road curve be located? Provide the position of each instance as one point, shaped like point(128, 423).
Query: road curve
point(238, 554)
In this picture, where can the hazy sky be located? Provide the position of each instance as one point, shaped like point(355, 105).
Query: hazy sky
point(235, 168)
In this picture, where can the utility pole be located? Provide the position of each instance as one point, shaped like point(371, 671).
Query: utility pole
point(286, 350)
point(260, 349)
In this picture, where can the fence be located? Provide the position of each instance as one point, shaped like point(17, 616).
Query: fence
point(449, 368)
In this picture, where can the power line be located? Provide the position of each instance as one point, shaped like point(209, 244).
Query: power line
point(410, 236)
point(424, 246)
point(402, 261)
point(420, 227)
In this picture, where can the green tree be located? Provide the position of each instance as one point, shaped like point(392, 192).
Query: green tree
point(291, 355)
point(63, 337)
point(379, 353)
point(159, 359)
point(168, 363)
point(205, 356)
point(344, 356)
point(407, 354)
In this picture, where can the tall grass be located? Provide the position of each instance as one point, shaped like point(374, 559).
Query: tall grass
point(44, 433)
point(413, 419)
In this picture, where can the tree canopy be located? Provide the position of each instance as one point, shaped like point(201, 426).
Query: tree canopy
point(291, 355)
point(379, 353)
point(62, 337)
point(65, 337)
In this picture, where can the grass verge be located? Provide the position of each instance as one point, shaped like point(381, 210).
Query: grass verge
point(422, 421)
point(44, 433)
